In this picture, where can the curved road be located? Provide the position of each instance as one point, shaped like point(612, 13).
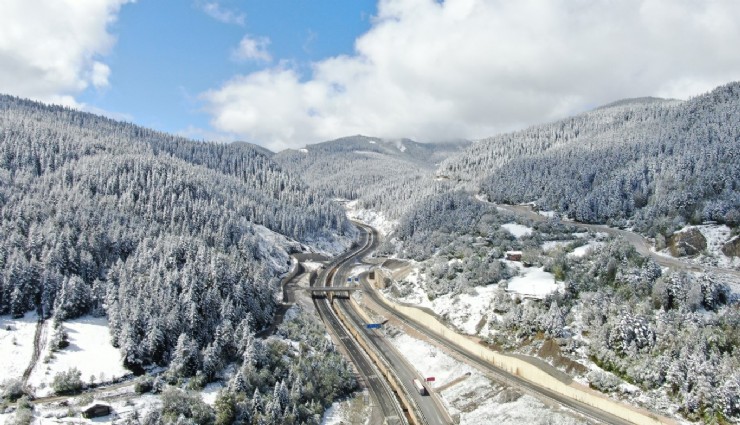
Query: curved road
point(498, 374)
point(386, 408)
point(429, 407)
point(642, 246)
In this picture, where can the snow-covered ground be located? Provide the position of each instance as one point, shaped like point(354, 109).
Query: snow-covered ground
point(533, 282)
point(518, 230)
point(16, 345)
point(551, 245)
point(470, 311)
point(210, 392)
point(716, 235)
point(466, 311)
point(371, 218)
point(353, 411)
point(585, 249)
point(470, 395)
point(89, 350)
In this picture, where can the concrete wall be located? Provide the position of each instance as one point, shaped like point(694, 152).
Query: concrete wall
point(391, 377)
point(528, 371)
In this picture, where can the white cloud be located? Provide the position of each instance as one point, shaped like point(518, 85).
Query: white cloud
point(219, 13)
point(49, 48)
point(472, 68)
point(251, 48)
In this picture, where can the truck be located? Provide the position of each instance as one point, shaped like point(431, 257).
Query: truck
point(420, 387)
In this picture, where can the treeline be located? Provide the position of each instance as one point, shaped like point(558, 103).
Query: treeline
point(383, 175)
point(659, 164)
point(163, 235)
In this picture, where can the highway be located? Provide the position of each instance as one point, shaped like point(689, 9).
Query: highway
point(429, 407)
point(386, 408)
point(492, 371)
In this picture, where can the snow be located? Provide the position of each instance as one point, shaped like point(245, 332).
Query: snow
point(89, 350)
point(469, 394)
point(716, 235)
point(466, 311)
point(533, 282)
point(551, 245)
point(16, 345)
point(518, 230)
point(582, 250)
point(304, 150)
point(372, 218)
point(548, 214)
point(210, 392)
point(350, 411)
point(372, 142)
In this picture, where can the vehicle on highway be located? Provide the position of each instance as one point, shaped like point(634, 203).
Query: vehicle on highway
point(420, 387)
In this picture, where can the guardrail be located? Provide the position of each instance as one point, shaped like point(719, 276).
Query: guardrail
point(415, 414)
point(324, 280)
point(523, 369)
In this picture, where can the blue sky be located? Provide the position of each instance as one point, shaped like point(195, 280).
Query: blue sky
point(169, 51)
point(285, 73)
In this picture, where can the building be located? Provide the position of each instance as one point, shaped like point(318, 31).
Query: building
point(96, 410)
point(514, 255)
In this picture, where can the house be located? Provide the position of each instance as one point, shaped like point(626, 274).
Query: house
point(96, 410)
point(514, 255)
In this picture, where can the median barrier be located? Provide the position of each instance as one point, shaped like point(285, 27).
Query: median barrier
point(391, 377)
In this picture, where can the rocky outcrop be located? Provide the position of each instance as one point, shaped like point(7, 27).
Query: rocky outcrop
point(687, 242)
point(732, 248)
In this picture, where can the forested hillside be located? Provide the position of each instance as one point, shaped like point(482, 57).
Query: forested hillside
point(386, 176)
point(659, 163)
point(171, 239)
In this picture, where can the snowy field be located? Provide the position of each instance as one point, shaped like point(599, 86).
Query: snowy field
point(89, 350)
point(582, 250)
point(469, 311)
point(16, 345)
point(517, 230)
point(470, 395)
point(533, 282)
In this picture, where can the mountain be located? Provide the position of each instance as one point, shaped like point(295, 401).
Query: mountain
point(179, 243)
point(657, 163)
point(383, 174)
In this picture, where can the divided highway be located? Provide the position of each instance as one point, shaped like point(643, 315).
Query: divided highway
point(499, 374)
point(386, 408)
point(427, 409)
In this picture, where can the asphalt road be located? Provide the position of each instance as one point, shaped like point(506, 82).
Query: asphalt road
point(430, 409)
point(494, 372)
point(385, 405)
point(385, 408)
point(642, 245)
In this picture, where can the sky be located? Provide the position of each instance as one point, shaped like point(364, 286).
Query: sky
point(286, 73)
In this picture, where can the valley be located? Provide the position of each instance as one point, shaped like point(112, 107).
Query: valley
point(180, 281)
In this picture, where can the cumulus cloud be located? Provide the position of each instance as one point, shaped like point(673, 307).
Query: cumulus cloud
point(471, 68)
point(221, 14)
point(252, 48)
point(50, 49)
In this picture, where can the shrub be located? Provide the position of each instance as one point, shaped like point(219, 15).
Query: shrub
point(12, 389)
point(68, 382)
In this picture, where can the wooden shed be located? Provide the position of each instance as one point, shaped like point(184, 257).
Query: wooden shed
point(514, 255)
point(96, 410)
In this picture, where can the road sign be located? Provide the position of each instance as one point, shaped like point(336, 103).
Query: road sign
point(373, 325)
point(431, 379)
point(357, 279)
point(349, 279)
